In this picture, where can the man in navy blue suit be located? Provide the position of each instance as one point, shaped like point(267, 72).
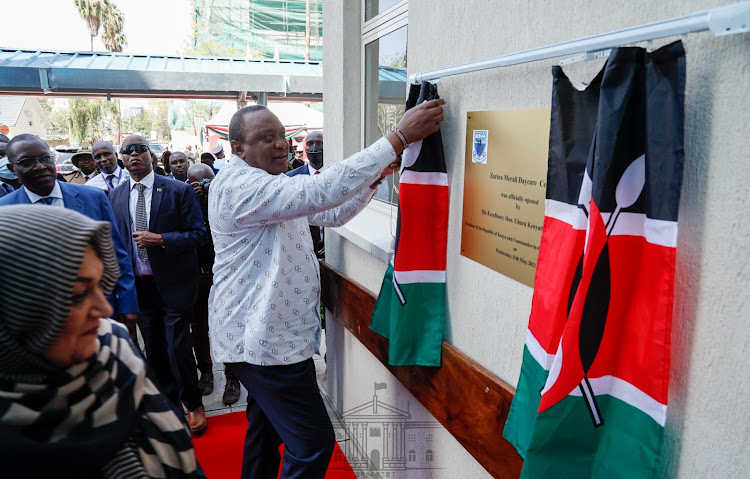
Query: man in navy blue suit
point(162, 220)
point(314, 150)
point(32, 162)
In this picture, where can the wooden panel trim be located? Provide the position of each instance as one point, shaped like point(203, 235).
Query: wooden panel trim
point(467, 399)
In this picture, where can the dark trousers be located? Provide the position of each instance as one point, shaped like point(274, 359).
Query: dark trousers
point(284, 406)
point(199, 324)
point(168, 345)
point(199, 327)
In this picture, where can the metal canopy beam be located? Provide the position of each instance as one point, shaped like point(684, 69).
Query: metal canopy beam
point(115, 75)
point(122, 75)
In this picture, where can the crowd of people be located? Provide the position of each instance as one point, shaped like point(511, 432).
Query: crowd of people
point(208, 263)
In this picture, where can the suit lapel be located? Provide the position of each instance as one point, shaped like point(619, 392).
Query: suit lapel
point(71, 199)
point(120, 200)
point(156, 196)
point(23, 197)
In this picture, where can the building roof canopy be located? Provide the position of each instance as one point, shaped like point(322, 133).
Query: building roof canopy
point(69, 73)
point(123, 74)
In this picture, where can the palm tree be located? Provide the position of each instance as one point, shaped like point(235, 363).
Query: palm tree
point(112, 35)
point(93, 11)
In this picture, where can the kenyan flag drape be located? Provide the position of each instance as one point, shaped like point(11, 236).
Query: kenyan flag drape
point(592, 395)
point(410, 310)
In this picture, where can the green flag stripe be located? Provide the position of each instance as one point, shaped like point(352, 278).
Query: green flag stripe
point(525, 403)
point(565, 443)
point(415, 329)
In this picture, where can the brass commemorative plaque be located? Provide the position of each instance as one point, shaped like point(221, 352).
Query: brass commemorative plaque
point(504, 188)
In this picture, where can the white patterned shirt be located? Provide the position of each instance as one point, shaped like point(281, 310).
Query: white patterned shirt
point(264, 304)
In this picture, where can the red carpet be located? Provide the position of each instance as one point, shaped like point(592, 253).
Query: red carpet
point(219, 450)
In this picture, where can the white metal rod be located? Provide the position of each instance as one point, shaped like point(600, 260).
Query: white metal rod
point(726, 20)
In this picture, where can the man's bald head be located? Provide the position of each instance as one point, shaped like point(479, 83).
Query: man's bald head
point(315, 135)
point(4, 139)
point(105, 157)
point(314, 148)
point(200, 171)
point(137, 160)
point(103, 144)
point(134, 139)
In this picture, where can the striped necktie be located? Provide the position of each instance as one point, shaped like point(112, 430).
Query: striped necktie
point(141, 224)
point(109, 182)
point(47, 200)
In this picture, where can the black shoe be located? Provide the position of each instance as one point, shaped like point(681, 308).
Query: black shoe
point(231, 392)
point(206, 383)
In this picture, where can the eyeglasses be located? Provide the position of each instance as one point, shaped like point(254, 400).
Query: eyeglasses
point(27, 163)
point(129, 149)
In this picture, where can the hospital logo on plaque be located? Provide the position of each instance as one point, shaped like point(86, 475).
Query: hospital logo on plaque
point(479, 151)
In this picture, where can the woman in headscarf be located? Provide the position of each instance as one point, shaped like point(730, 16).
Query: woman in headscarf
point(75, 396)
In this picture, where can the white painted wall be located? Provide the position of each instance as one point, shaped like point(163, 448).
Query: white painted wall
point(32, 120)
point(708, 428)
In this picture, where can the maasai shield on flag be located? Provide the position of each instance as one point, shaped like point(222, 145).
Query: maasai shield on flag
point(410, 310)
point(592, 395)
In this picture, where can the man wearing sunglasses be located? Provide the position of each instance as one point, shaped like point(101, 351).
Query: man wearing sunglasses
point(162, 220)
point(32, 162)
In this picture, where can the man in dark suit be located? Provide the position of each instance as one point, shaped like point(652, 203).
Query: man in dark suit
point(314, 150)
point(32, 162)
point(8, 181)
point(163, 221)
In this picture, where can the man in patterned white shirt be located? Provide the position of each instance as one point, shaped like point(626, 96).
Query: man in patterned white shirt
point(264, 316)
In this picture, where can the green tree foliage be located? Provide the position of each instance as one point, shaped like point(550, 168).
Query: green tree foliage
point(92, 11)
point(210, 47)
point(58, 114)
point(92, 119)
point(112, 35)
point(103, 13)
point(191, 115)
point(152, 118)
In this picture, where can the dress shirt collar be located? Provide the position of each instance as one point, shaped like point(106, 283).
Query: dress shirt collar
point(148, 181)
point(235, 160)
point(55, 193)
point(312, 170)
point(118, 173)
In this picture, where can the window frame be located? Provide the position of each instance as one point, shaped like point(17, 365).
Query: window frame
point(377, 27)
point(373, 230)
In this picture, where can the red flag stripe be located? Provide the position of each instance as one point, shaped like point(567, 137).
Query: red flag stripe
point(423, 239)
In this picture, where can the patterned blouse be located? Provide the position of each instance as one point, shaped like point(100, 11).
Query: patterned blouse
point(264, 304)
